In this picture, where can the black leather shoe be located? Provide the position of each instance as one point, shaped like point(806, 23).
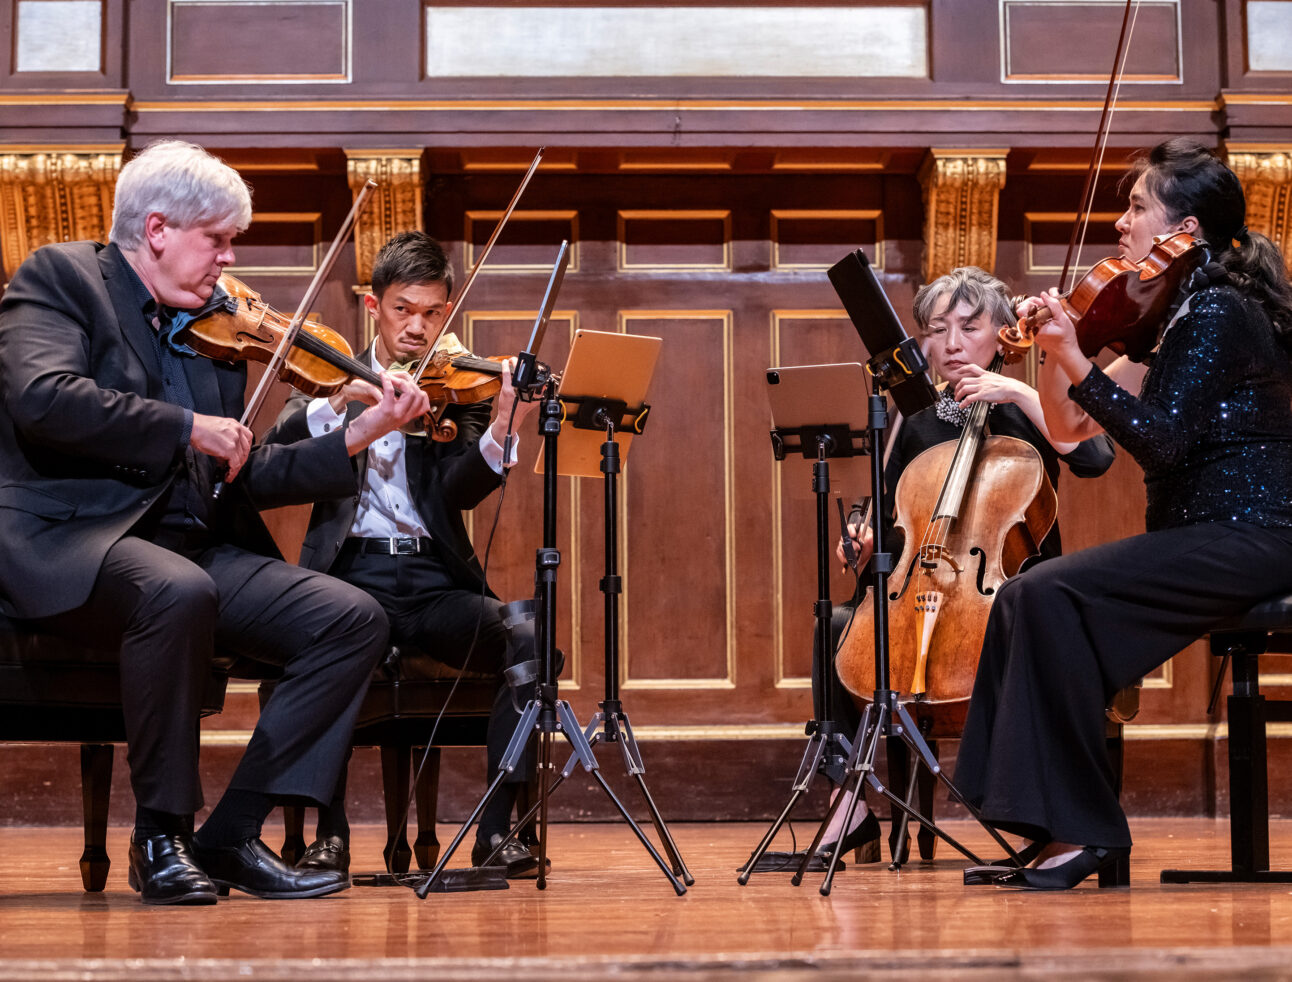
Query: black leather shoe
point(521, 864)
point(163, 870)
point(327, 853)
point(1091, 859)
point(252, 867)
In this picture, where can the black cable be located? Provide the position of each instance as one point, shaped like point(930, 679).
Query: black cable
point(484, 587)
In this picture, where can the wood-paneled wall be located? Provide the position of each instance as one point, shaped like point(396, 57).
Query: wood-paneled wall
point(703, 210)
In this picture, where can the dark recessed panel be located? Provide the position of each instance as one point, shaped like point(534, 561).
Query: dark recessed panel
point(671, 240)
point(1076, 41)
point(243, 41)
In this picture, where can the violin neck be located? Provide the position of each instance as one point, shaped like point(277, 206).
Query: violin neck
point(312, 345)
point(957, 480)
point(472, 363)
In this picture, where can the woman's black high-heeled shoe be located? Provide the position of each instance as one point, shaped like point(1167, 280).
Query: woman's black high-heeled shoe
point(1091, 859)
point(863, 840)
point(986, 875)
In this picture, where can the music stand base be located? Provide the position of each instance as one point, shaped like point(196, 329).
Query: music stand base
point(450, 881)
point(787, 862)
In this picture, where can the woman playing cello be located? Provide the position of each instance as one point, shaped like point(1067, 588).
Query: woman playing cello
point(958, 316)
point(1210, 421)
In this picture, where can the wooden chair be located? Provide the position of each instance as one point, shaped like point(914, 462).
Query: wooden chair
point(55, 691)
point(1265, 629)
point(408, 691)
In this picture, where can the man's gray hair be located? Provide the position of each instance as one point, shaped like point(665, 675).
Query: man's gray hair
point(184, 183)
point(968, 284)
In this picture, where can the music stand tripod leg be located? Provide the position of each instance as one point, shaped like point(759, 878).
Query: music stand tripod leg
point(612, 714)
point(511, 757)
point(827, 748)
point(636, 768)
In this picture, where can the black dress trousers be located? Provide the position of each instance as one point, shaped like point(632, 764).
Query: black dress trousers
point(1064, 636)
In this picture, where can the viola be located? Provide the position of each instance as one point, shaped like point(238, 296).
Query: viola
point(1119, 304)
point(242, 327)
point(245, 328)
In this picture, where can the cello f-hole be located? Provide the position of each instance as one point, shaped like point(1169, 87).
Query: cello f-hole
point(985, 591)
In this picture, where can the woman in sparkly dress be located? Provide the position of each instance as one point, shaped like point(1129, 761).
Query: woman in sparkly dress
point(1209, 418)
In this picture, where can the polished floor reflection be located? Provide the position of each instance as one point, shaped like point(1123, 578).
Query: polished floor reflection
point(607, 905)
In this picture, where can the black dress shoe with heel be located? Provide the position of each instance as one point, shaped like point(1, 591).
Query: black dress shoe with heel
point(1065, 876)
point(252, 867)
point(520, 863)
point(163, 870)
point(863, 841)
point(327, 853)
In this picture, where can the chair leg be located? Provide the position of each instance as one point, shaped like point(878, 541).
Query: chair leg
point(293, 834)
point(427, 846)
point(395, 764)
point(96, 793)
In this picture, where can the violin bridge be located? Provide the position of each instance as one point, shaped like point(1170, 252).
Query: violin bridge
point(927, 603)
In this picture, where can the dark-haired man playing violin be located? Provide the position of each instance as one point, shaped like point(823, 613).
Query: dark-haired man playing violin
point(401, 537)
point(112, 438)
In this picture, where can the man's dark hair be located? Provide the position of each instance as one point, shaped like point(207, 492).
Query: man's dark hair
point(411, 257)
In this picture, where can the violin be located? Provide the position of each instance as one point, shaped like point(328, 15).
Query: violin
point(1119, 304)
point(245, 328)
point(242, 327)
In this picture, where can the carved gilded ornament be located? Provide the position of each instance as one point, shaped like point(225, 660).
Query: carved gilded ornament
point(1267, 184)
point(961, 194)
point(51, 196)
point(396, 206)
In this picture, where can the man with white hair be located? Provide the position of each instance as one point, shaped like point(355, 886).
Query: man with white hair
point(112, 438)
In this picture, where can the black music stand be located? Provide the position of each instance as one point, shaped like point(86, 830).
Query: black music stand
point(801, 397)
point(546, 715)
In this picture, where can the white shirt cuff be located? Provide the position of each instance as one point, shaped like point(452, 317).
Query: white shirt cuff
point(491, 451)
point(322, 418)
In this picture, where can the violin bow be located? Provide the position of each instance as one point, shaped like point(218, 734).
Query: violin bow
point(294, 328)
point(1078, 237)
point(475, 270)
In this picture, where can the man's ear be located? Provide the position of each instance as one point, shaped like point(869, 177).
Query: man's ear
point(371, 304)
point(155, 230)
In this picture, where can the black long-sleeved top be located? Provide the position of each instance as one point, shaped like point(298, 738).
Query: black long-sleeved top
point(1212, 425)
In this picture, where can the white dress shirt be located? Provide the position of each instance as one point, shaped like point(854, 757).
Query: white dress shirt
point(386, 507)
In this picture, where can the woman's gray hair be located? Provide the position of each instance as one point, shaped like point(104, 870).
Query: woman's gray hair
point(184, 183)
point(968, 284)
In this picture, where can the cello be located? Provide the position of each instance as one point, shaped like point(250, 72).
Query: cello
point(981, 505)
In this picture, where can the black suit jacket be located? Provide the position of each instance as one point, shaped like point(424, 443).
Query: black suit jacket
point(445, 479)
point(86, 443)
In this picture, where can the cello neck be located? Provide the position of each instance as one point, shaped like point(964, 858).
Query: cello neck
point(957, 481)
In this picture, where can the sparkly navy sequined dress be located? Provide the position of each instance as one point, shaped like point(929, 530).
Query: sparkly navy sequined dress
point(1212, 428)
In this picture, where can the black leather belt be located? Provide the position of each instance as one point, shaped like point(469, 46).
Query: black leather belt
point(392, 546)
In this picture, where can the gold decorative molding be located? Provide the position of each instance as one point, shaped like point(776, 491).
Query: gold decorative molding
point(961, 191)
point(1266, 176)
point(396, 205)
point(51, 194)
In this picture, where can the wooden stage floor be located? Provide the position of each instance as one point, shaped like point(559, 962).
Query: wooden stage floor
point(607, 911)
